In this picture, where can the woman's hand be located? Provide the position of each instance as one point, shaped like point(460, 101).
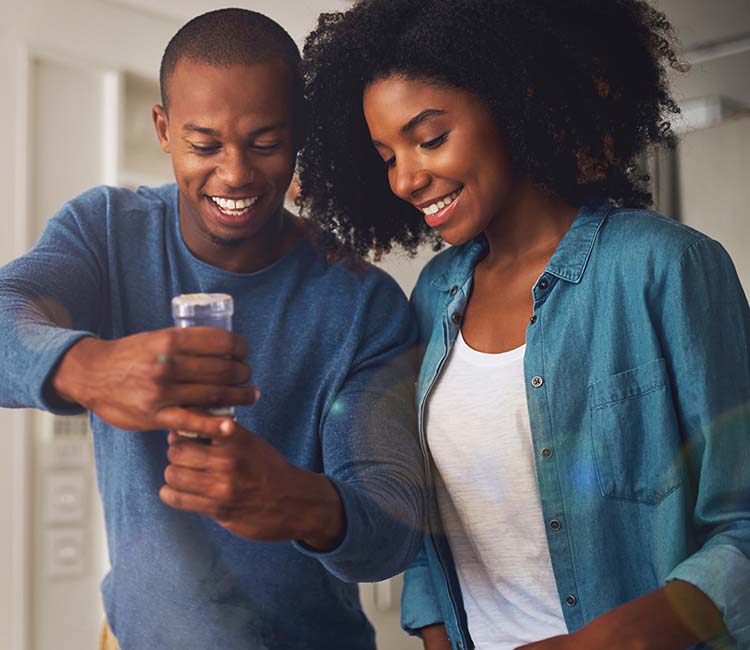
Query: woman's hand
point(434, 637)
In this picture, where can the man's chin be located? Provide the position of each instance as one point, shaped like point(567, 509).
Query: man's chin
point(225, 242)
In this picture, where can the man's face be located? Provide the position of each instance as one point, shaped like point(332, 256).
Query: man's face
point(229, 132)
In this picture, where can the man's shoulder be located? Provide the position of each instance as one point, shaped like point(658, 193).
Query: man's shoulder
point(112, 202)
point(354, 281)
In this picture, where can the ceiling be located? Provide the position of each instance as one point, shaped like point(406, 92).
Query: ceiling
point(697, 23)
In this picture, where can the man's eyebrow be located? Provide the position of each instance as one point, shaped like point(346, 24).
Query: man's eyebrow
point(421, 117)
point(194, 128)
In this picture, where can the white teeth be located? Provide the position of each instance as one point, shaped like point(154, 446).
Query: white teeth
point(439, 205)
point(234, 206)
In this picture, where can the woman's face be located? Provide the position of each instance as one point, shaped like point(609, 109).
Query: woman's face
point(443, 152)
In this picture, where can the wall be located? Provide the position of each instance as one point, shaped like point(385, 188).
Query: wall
point(102, 35)
point(714, 178)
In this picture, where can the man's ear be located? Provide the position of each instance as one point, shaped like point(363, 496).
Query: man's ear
point(161, 123)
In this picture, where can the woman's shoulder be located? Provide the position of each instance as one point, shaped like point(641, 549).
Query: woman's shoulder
point(648, 245)
point(639, 232)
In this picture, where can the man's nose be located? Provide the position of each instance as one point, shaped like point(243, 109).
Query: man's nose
point(236, 169)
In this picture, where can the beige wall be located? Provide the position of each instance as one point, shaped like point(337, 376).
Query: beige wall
point(86, 31)
point(714, 177)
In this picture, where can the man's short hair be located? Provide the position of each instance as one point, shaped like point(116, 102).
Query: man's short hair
point(227, 37)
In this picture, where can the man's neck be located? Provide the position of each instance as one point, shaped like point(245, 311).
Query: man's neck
point(277, 237)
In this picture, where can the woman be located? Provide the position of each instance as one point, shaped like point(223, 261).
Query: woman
point(584, 389)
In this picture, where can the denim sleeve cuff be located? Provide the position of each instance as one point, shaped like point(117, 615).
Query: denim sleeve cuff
point(722, 572)
point(419, 606)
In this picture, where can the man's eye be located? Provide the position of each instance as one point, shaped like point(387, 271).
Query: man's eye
point(266, 147)
point(436, 142)
point(204, 149)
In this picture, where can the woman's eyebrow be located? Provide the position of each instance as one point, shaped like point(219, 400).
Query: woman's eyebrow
point(421, 117)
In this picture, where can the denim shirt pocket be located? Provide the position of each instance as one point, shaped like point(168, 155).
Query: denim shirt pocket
point(635, 435)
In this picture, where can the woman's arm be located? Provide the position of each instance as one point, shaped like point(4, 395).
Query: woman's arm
point(675, 617)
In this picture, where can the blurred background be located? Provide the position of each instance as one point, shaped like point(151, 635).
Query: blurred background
point(79, 80)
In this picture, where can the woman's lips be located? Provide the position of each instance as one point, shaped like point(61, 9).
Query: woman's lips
point(442, 215)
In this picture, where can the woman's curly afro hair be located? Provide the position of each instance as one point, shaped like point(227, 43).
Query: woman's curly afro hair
point(578, 87)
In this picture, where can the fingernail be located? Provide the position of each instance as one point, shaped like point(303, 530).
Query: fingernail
point(257, 393)
point(226, 427)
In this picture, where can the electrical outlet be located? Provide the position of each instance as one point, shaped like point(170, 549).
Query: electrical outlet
point(64, 553)
point(64, 498)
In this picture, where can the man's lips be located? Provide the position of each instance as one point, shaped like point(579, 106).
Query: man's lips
point(233, 211)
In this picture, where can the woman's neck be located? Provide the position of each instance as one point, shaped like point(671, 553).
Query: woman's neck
point(530, 226)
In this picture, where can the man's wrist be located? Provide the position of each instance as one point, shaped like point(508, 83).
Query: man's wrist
point(322, 518)
point(68, 381)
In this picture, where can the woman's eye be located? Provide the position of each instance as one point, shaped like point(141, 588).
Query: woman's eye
point(204, 149)
point(390, 162)
point(436, 142)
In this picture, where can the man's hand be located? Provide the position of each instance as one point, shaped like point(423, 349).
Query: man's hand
point(244, 484)
point(151, 380)
point(434, 637)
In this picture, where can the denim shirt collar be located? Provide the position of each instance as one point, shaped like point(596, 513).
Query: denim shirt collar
point(568, 262)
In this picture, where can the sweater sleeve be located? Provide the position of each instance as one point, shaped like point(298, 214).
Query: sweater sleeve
point(706, 325)
point(49, 299)
point(369, 444)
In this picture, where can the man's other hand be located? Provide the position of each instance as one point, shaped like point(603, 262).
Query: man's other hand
point(244, 484)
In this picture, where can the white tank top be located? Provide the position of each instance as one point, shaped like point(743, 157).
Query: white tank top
point(478, 431)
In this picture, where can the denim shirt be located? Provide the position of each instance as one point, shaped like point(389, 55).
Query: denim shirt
point(638, 381)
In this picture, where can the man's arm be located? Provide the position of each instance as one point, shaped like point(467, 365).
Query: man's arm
point(52, 304)
point(370, 447)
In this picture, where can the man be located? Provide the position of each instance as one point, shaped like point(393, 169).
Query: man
point(252, 541)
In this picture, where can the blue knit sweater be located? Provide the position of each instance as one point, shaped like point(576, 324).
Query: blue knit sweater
point(331, 352)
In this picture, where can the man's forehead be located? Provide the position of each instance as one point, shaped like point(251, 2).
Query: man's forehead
point(264, 87)
point(187, 71)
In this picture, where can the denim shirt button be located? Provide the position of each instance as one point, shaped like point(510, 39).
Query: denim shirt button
point(546, 452)
point(537, 381)
point(571, 601)
point(456, 317)
point(532, 320)
point(454, 290)
point(543, 284)
point(555, 525)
